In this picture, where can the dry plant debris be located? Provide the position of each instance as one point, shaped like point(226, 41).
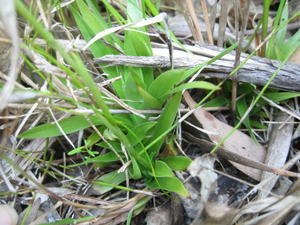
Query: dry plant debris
point(76, 148)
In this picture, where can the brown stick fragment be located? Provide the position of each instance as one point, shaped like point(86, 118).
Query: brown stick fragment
point(207, 146)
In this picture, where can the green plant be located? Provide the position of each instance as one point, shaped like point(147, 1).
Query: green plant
point(125, 136)
point(279, 46)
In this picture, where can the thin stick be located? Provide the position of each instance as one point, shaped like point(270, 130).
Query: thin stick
point(195, 28)
point(207, 146)
point(207, 23)
point(222, 23)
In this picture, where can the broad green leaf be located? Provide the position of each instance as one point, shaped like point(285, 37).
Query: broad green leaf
point(134, 11)
point(177, 163)
point(112, 178)
point(69, 125)
point(165, 82)
point(217, 101)
point(281, 96)
point(165, 121)
point(139, 132)
point(245, 88)
point(149, 100)
point(196, 84)
point(258, 125)
point(291, 45)
point(162, 169)
point(172, 184)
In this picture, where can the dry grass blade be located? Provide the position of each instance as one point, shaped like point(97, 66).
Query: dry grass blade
point(238, 142)
point(9, 21)
point(271, 211)
point(159, 18)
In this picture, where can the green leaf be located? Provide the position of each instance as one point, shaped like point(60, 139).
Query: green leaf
point(177, 163)
point(136, 172)
point(114, 12)
point(162, 169)
point(281, 96)
point(91, 140)
point(107, 158)
point(111, 179)
point(139, 132)
point(69, 125)
point(165, 121)
point(258, 125)
point(196, 84)
point(114, 144)
point(149, 100)
point(217, 102)
point(70, 221)
point(172, 184)
point(165, 82)
point(241, 109)
point(76, 150)
point(291, 45)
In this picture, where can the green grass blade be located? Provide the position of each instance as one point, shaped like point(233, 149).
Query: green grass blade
point(69, 125)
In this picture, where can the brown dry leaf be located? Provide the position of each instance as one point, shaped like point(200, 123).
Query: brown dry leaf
point(278, 150)
point(238, 142)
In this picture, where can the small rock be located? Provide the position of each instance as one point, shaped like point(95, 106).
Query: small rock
point(8, 215)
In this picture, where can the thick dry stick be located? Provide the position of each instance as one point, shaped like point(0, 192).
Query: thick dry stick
point(206, 146)
point(257, 70)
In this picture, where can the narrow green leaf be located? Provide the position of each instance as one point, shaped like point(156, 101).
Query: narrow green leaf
point(196, 84)
point(113, 178)
point(70, 221)
point(107, 158)
point(281, 96)
point(114, 12)
point(75, 150)
point(241, 109)
point(69, 125)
